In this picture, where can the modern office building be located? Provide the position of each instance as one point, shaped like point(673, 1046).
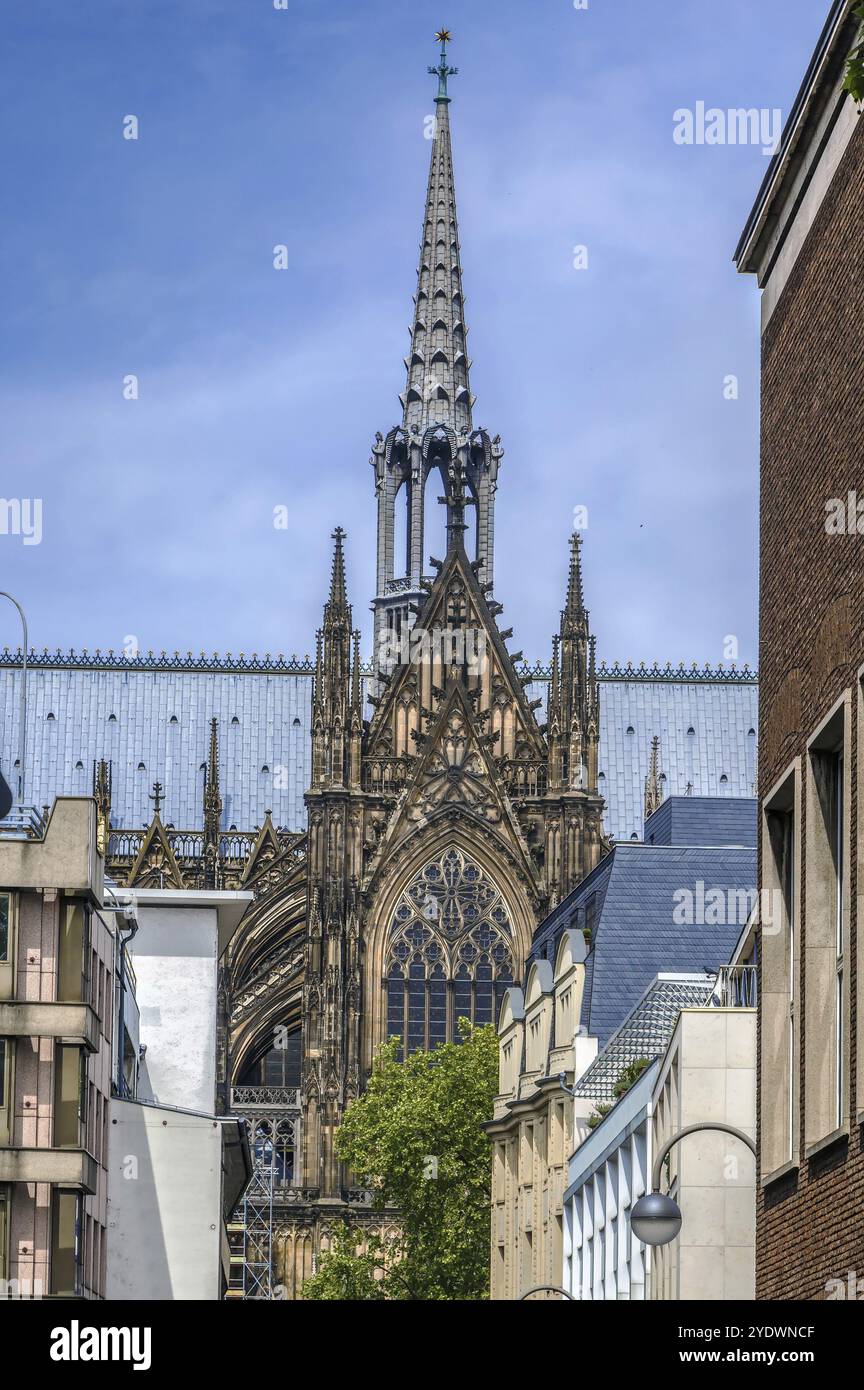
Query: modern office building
point(698, 1054)
point(56, 1028)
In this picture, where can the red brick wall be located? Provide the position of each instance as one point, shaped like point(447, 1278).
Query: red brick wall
point(810, 1226)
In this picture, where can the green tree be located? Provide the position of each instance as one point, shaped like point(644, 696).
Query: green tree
point(348, 1271)
point(415, 1136)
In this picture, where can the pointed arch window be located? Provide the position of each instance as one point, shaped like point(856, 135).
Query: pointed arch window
point(273, 1142)
point(450, 954)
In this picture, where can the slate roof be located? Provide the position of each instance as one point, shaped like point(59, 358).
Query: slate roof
point(272, 730)
point(270, 698)
point(721, 744)
point(645, 1031)
point(720, 707)
point(703, 820)
point(636, 935)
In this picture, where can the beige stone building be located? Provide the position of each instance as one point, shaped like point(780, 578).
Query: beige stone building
point(56, 1009)
point(533, 1126)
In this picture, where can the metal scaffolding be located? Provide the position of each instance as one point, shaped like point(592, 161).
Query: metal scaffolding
point(258, 1226)
point(272, 1119)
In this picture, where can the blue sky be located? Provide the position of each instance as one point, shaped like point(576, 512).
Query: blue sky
point(260, 388)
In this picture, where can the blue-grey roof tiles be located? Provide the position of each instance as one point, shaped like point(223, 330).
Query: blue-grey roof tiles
point(270, 698)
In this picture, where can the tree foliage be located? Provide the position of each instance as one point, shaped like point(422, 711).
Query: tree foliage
point(352, 1269)
point(415, 1136)
point(853, 80)
point(627, 1077)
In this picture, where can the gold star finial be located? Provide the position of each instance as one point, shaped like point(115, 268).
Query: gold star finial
point(444, 36)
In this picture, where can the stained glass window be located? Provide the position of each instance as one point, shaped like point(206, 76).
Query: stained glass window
point(450, 954)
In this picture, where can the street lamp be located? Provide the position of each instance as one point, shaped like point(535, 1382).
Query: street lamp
point(656, 1217)
point(22, 717)
point(545, 1288)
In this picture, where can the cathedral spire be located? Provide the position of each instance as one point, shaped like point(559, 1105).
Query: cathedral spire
point(102, 794)
point(574, 706)
point(338, 591)
point(575, 609)
point(212, 799)
point(437, 390)
point(653, 785)
point(334, 690)
point(212, 811)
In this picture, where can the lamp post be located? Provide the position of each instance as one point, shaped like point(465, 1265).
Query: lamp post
point(656, 1217)
point(22, 717)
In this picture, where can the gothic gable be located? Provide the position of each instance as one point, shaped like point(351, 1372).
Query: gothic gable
point(265, 850)
point(455, 638)
point(455, 777)
point(155, 866)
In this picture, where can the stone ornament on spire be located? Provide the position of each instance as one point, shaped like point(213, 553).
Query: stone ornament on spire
point(442, 71)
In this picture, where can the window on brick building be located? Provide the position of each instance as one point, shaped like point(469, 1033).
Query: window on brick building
point(780, 964)
point(4, 1232)
point(67, 1244)
point(7, 1054)
point(826, 1021)
point(7, 945)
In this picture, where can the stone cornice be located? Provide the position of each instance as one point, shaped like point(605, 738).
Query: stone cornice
point(304, 666)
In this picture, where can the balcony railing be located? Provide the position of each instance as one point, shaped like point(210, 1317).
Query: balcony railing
point(386, 776)
point(525, 777)
point(23, 823)
point(265, 1098)
point(737, 987)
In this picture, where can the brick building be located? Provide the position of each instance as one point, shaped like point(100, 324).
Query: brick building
point(803, 241)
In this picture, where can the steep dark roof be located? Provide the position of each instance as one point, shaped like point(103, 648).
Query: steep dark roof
point(635, 933)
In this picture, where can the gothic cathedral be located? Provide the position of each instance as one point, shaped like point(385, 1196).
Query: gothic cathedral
point(447, 812)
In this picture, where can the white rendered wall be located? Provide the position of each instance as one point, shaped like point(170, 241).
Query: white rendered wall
point(174, 955)
point(164, 1204)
